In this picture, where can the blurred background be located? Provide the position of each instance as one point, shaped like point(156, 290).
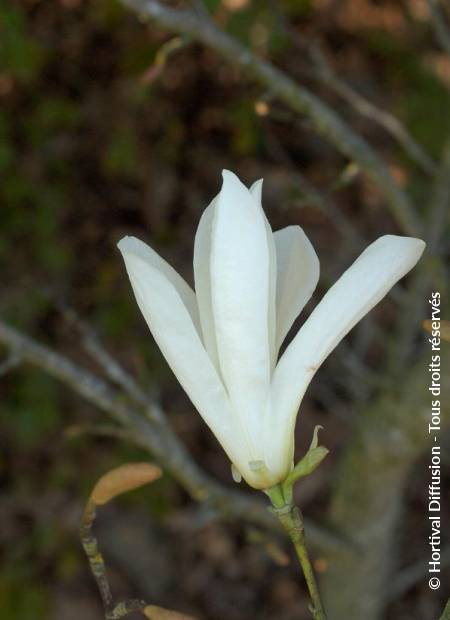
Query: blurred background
point(97, 141)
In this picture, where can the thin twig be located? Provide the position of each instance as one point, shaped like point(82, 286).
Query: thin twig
point(441, 29)
point(100, 430)
point(96, 562)
point(325, 120)
point(124, 608)
point(10, 363)
point(321, 200)
point(113, 370)
point(98, 569)
point(326, 74)
point(325, 204)
point(322, 70)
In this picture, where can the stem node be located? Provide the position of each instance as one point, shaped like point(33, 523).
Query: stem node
point(291, 519)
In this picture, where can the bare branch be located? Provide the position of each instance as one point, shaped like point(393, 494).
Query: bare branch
point(98, 569)
point(96, 562)
point(156, 437)
point(325, 121)
point(165, 52)
point(326, 74)
point(324, 203)
point(321, 200)
point(101, 430)
point(11, 362)
point(441, 28)
point(113, 370)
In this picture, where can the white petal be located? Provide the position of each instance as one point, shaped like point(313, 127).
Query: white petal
point(358, 290)
point(136, 247)
point(159, 298)
point(240, 291)
point(202, 277)
point(256, 192)
point(298, 271)
point(173, 329)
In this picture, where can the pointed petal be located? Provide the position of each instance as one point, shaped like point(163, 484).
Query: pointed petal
point(202, 277)
point(240, 290)
point(298, 271)
point(173, 329)
point(136, 247)
point(358, 290)
point(256, 192)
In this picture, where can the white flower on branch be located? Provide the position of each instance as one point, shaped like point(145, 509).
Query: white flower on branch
point(222, 342)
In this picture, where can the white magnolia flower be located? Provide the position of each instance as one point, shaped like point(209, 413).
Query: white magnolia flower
point(222, 341)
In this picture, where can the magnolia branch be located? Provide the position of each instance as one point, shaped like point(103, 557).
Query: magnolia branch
point(126, 477)
point(313, 196)
point(144, 424)
point(326, 74)
point(323, 71)
point(98, 569)
point(325, 120)
point(441, 28)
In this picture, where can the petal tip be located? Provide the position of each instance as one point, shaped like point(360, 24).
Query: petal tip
point(124, 244)
point(411, 244)
point(256, 190)
point(230, 179)
point(129, 244)
point(233, 191)
point(228, 175)
point(404, 247)
point(421, 245)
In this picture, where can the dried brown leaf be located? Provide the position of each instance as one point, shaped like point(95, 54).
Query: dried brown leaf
point(159, 613)
point(122, 479)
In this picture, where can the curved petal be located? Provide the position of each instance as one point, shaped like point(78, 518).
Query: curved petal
point(356, 292)
point(256, 192)
point(174, 332)
point(240, 290)
point(202, 277)
point(136, 247)
point(298, 270)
